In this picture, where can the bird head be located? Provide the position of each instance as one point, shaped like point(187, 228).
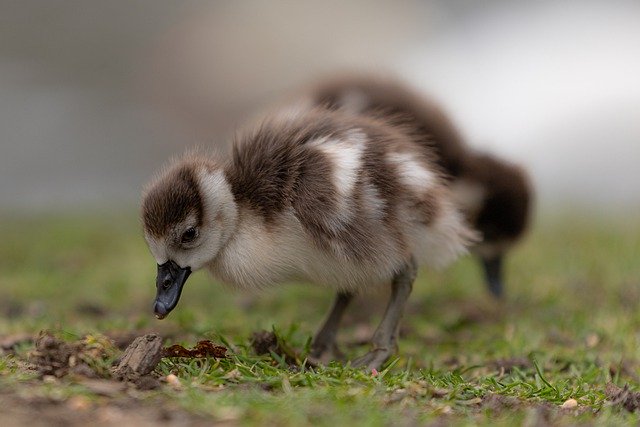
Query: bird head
point(188, 214)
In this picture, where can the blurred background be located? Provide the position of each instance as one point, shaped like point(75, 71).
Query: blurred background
point(95, 95)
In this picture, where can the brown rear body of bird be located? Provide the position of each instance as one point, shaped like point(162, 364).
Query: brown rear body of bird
point(495, 194)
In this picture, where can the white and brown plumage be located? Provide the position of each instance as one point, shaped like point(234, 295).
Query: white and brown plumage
point(494, 194)
point(343, 201)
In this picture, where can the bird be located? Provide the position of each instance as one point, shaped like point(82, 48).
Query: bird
point(343, 201)
point(495, 194)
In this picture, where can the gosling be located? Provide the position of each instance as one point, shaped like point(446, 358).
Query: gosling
point(494, 194)
point(343, 201)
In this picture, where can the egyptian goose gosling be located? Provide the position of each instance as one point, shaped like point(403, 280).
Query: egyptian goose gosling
point(494, 194)
point(343, 201)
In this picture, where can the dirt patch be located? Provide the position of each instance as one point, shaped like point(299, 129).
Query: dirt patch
point(95, 357)
point(91, 358)
point(112, 386)
point(33, 409)
point(88, 357)
point(629, 400)
point(540, 413)
point(265, 342)
point(498, 402)
point(102, 387)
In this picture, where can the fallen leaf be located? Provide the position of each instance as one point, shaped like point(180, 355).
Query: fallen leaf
point(202, 349)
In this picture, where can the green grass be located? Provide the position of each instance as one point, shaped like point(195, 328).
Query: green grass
point(570, 323)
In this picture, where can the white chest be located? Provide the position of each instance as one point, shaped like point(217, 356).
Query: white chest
point(257, 257)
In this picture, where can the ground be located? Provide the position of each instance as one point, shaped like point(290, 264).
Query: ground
point(558, 350)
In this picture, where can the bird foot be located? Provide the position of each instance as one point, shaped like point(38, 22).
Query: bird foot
point(374, 359)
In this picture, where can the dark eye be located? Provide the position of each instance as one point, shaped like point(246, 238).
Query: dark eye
point(188, 236)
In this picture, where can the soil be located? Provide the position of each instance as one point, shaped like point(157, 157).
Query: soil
point(265, 342)
point(114, 398)
point(498, 402)
point(53, 356)
point(33, 409)
point(618, 396)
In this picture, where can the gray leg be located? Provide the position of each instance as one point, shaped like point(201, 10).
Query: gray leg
point(493, 274)
point(323, 346)
point(385, 339)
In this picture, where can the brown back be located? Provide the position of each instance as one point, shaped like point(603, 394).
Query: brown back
point(505, 212)
point(274, 168)
point(390, 98)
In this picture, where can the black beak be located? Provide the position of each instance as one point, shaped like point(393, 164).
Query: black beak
point(169, 285)
point(493, 274)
